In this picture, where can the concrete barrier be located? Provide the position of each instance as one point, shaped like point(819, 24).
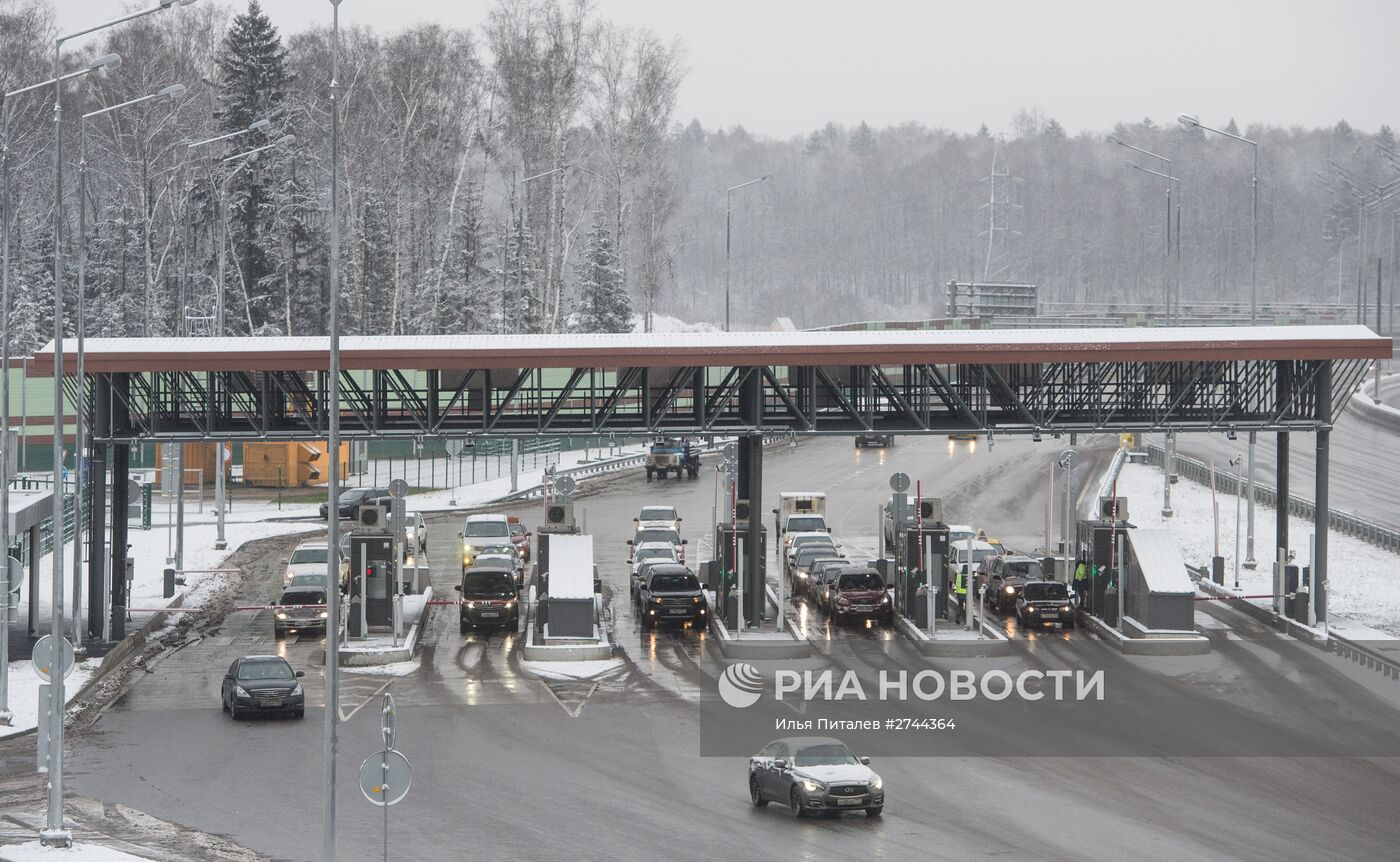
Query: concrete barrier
point(992, 643)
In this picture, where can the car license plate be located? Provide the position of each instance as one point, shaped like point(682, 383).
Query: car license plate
point(855, 801)
point(269, 701)
point(490, 613)
point(677, 610)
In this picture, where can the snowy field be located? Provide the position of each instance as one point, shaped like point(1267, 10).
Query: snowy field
point(1364, 580)
point(24, 693)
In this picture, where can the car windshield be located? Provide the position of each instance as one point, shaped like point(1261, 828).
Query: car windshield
point(1045, 591)
point(352, 495)
point(806, 523)
point(674, 583)
point(804, 541)
point(808, 554)
point(658, 513)
point(488, 584)
point(269, 669)
point(503, 550)
point(307, 581)
point(488, 530)
point(976, 555)
point(308, 555)
point(860, 581)
point(302, 597)
point(824, 755)
point(657, 536)
point(654, 554)
point(1024, 569)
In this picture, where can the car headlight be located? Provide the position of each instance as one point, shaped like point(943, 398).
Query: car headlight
point(297, 690)
point(884, 600)
point(281, 615)
point(1065, 608)
point(1010, 590)
point(656, 600)
point(695, 599)
point(802, 575)
point(324, 614)
point(240, 691)
point(510, 602)
point(813, 786)
point(876, 783)
point(471, 606)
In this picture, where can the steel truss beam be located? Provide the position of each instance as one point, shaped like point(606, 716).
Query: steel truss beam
point(901, 399)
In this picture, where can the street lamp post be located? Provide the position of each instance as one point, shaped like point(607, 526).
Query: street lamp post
point(220, 541)
point(331, 742)
point(1192, 120)
point(727, 233)
point(79, 407)
point(1167, 249)
point(54, 833)
point(5, 454)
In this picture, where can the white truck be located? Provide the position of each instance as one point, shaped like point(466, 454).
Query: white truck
point(801, 512)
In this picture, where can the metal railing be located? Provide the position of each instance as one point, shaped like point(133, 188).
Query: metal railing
point(1345, 523)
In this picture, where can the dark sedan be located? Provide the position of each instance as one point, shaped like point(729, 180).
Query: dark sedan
point(258, 684)
point(813, 773)
point(1044, 603)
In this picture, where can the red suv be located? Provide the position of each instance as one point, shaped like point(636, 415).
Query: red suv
point(520, 537)
point(858, 593)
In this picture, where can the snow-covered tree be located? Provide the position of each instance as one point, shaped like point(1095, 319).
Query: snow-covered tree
point(602, 304)
point(519, 277)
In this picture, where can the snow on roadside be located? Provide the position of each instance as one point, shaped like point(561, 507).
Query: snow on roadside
point(1364, 580)
point(398, 668)
point(24, 693)
point(573, 669)
point(33, 851)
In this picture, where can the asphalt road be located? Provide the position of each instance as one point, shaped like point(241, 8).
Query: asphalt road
point(1364, 464)
point(508, 765)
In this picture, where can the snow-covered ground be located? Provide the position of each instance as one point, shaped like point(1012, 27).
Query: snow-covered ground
point(33, 851)
point(24, 693)
point(1363, 580)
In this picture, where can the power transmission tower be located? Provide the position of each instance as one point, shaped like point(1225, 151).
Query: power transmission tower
point(999, 208)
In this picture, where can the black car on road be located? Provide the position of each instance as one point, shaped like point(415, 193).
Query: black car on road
point(670, 592)
point(882, 440)
point(259, 684)
point(814, 773)
point(1044, 603)
point(351, 499)
point(488, 596)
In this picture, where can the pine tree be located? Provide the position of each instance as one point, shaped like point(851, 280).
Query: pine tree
point(1231, 127)
point(602, 304)
point(519, 277)
point(252, 87)
point(31, 315)
point(1386, 138)
point(298, 277)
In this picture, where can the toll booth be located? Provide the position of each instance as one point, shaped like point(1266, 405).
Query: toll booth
point(1158, 593)
point(543, 533)
point(372, 558)
point(569, 606)
point(727, 540)
point(1096, 545)
point(921, 554)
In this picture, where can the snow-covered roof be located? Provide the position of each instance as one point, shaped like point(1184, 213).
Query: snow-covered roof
point(570, 566)
point(1159, 560)
point(671, 349)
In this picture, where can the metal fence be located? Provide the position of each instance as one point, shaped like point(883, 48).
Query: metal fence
point(1342, 522)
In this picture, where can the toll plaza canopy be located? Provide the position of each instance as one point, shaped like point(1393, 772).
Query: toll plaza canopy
point(905, 382)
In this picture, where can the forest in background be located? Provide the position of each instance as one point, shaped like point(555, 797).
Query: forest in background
point(532, 176)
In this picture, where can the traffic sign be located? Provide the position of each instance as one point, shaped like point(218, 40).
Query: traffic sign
point(455, 446)
point(385, 778)
point(43, 656)
point(564, 485)
point(386, 720)
point(398, 489)
point(899, 483)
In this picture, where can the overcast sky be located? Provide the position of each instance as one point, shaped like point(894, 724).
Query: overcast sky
point(784, 67)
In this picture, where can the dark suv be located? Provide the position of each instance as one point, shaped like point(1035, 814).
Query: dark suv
point(351, 499)
point(670, 592)
point(488, 597)
point(300, 609)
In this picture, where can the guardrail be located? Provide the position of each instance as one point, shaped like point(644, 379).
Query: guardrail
point(613, 464)
point(1366, 530)
point(1366, 657)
